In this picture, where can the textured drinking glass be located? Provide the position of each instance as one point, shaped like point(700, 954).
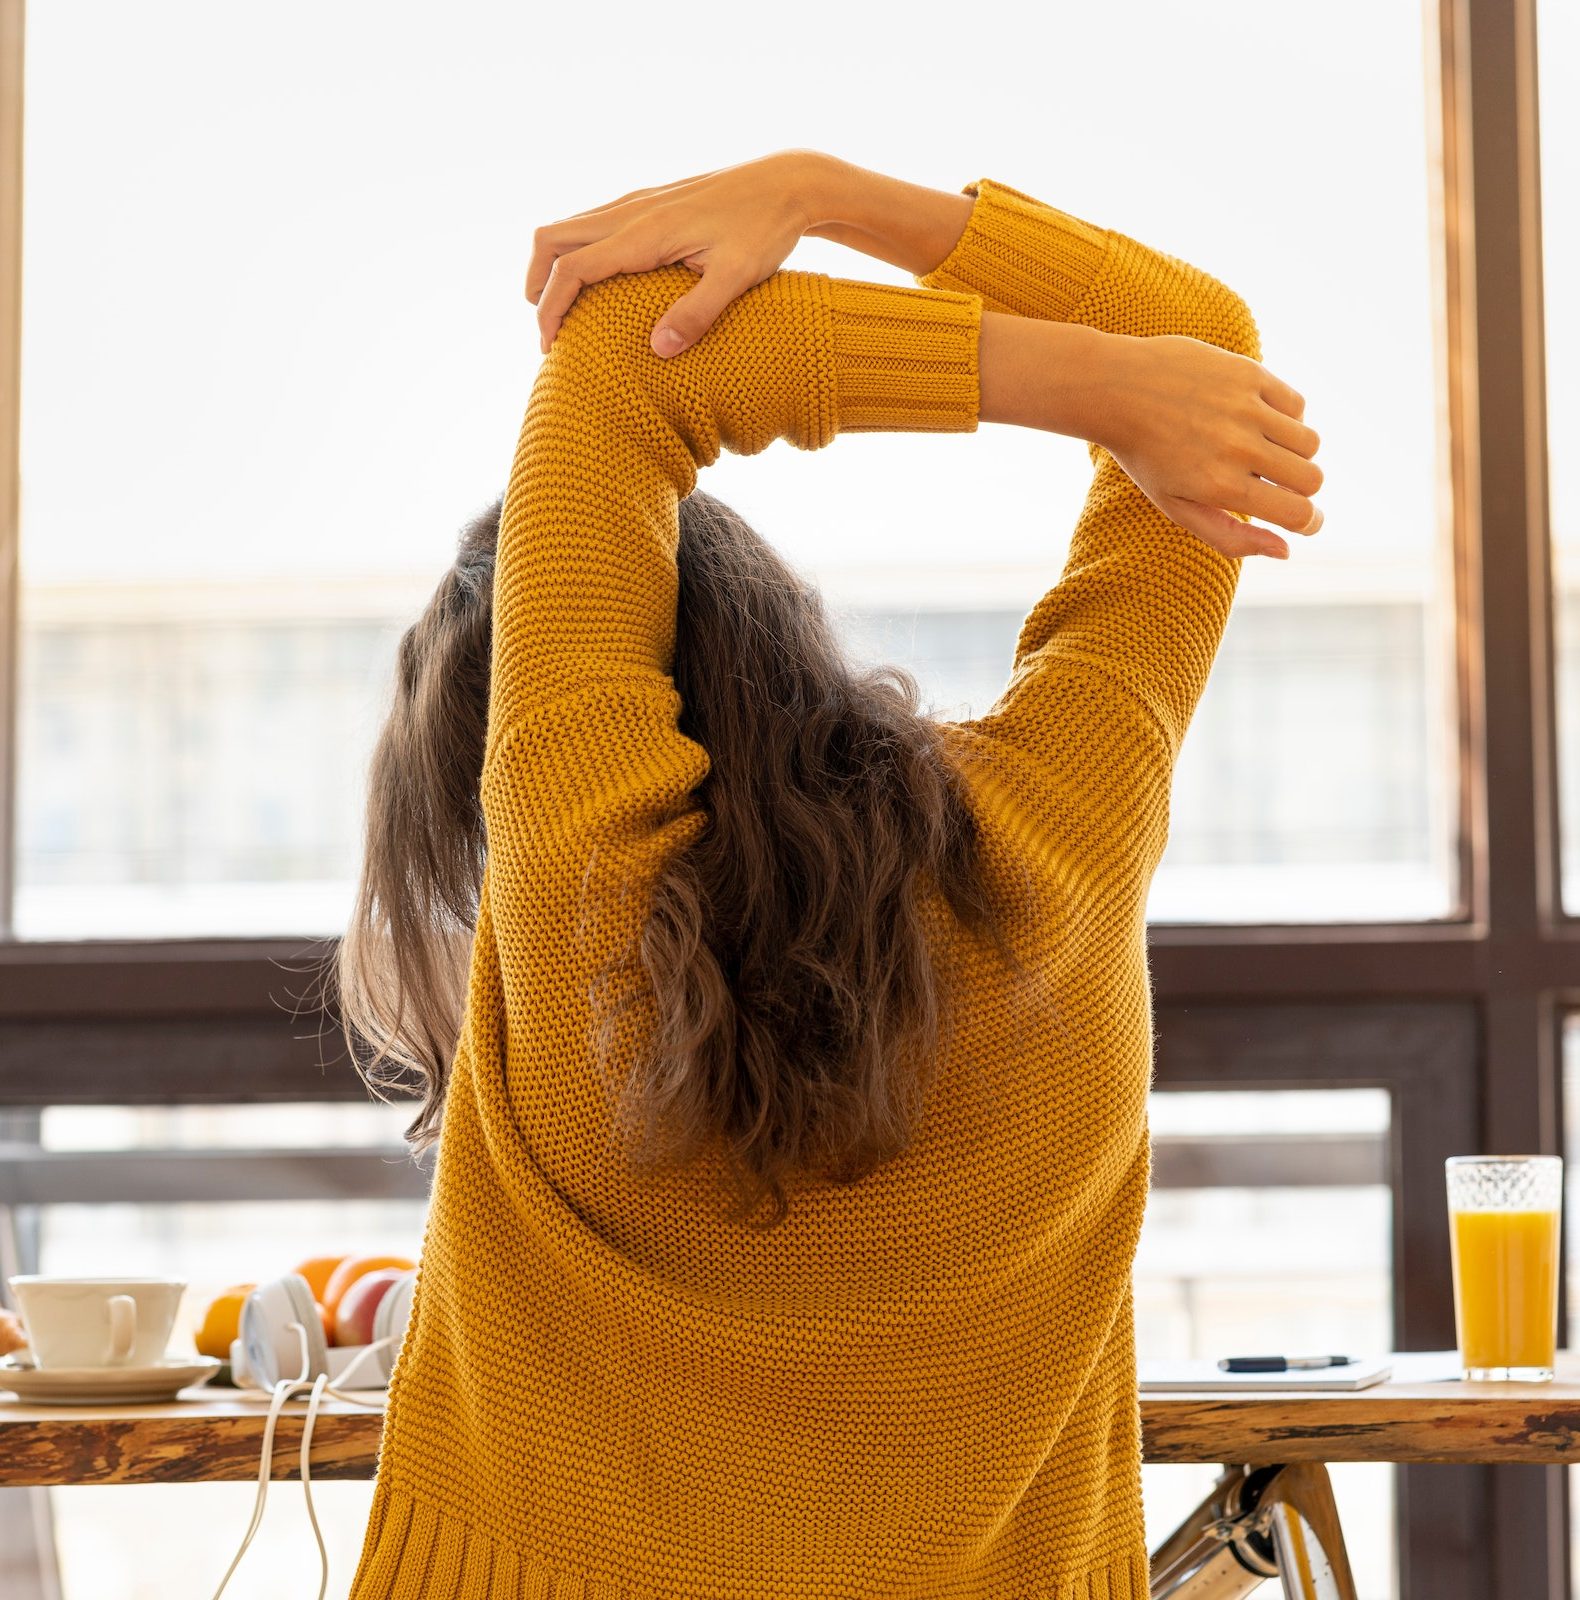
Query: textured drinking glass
point(1503, 1215)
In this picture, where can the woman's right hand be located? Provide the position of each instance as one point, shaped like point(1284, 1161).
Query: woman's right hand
point(1210, 437)
point(733, 227)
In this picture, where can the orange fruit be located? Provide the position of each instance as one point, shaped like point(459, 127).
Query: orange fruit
point(352, 1268)
point(221, 1321)
point(327, 1317)
point(13, 1336)
point(318, 1270)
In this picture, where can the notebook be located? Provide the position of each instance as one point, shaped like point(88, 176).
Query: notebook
point(1163, 1377)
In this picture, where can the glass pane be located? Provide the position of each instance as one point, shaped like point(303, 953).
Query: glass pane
point(275, 1126)
point(115, 1541)
point(1219, 1268)
point(275, 353)
point(1235, 1270)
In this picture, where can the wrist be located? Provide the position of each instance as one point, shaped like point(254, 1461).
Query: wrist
point(1054, 376)
point(828, 191)
point(1087, 378)
point(905, 224)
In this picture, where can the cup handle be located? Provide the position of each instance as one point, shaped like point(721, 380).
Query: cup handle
point(123, 1326)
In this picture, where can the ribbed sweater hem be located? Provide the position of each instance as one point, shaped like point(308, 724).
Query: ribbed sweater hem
point(1023, 257)
point(413, 1550)
point(904, 359)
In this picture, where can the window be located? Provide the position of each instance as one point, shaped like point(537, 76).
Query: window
point(1226, 1266)
point(273, 353)
point(247, 449)
point(115, 1539)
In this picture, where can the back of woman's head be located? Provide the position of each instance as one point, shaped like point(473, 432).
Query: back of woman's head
point(796, 1012)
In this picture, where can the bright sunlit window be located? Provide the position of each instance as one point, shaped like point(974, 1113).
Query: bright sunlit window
point(270, 367)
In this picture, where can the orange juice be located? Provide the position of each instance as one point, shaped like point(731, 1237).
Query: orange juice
point(1505, 1266)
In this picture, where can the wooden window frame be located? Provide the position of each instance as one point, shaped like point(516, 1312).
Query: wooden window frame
point(1461, 1020)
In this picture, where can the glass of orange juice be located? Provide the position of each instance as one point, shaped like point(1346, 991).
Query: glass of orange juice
point(1503, 1214)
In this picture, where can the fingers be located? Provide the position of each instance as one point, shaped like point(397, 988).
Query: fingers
point(1285, 430)
point(1279, 465)
point(1274, 503)
point(570, 233)
point(583, 227)
point(1279, 394)
point(551, 245)
point(548, 244)
point(1224, 532)
point(569, 274)
point(697, 310)
point(680, 327)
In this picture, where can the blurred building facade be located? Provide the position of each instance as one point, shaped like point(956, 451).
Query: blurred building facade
point(194, 762)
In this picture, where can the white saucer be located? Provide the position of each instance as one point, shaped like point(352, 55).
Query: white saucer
point(77, 1386)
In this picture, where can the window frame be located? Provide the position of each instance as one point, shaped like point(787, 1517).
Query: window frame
point(1460, 1019)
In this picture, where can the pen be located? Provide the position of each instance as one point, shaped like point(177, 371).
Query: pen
point(1281, 1363)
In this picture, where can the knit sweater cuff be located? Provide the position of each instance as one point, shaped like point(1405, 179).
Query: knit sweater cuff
point(905, 359)
point(1031, 259)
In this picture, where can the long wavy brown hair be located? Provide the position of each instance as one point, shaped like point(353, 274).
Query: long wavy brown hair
point(797, 1015)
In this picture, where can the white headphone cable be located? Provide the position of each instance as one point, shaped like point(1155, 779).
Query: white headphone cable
point(284, 1389)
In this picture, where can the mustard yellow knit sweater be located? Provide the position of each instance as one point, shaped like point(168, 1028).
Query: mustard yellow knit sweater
point(923, 1385)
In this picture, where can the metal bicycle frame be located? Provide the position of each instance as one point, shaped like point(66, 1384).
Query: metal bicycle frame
point(1254, 1524)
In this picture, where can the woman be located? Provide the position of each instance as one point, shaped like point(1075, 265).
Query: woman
point(793, 1047)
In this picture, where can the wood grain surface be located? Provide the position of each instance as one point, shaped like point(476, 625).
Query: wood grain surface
point(205, 1435)
point(1405, 1419)
point(210, 1435)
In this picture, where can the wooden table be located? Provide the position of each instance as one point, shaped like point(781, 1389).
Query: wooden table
point(217, 1434)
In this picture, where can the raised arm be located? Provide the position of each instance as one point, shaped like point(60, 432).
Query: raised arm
point(588, 781)
point(1024, 257)
point(1141, 605)
point(617, 429)
point(1209, 469)
point(614, 438)
point(1137, 593)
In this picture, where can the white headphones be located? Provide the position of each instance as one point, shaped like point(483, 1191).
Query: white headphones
point(280, 1331)
point(269, 1346)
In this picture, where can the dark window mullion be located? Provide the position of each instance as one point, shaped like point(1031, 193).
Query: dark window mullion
point(1505, 611)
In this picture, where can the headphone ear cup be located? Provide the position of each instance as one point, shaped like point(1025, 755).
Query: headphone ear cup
point(305, 1310)
point(391, 1319)
point(272, 1346)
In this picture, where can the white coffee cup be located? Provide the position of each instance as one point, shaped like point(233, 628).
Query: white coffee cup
point(97, 1322)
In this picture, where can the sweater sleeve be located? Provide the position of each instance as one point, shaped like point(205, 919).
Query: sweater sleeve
point(589, 777)
point(1120, 648)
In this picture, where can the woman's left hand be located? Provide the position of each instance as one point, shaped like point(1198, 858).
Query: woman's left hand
point(735, 226)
